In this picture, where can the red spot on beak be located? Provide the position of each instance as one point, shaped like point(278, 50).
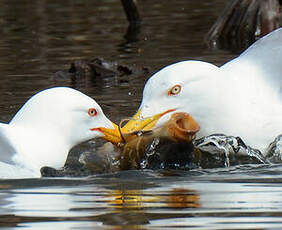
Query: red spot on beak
point(96, 129)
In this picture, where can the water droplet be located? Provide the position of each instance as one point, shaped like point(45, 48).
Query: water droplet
point(143, 164)
point(139, 134)
point(115, 162)
point(153, 145)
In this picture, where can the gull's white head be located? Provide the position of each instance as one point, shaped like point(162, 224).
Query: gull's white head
point(182, 87)
point(53, 121)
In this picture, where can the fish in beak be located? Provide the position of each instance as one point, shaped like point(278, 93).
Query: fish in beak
point(180, 129)
point(136, 124)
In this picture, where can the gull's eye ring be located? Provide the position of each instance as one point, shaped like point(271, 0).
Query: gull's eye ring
point(174, 90)
point(92, 112)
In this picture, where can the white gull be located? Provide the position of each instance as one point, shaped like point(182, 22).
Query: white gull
point(241, 98)
point(44, 130)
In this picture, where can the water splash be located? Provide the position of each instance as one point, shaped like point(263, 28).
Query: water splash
point(227, 151)
point(274, 150)
point(216, 151)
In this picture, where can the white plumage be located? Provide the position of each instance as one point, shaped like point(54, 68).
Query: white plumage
point(241, 98)
point(45, 129)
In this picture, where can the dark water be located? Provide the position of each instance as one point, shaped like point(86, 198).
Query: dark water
point(38, 38)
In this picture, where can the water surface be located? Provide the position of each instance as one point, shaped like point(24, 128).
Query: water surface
point(237, 198)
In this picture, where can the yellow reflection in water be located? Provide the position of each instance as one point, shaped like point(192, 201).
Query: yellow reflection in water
point(139, 199)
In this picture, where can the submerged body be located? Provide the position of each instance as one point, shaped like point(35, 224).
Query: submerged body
point(241, 98)
point(46, 128)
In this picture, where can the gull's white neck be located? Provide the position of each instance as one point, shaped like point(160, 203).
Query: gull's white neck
point(38, 147)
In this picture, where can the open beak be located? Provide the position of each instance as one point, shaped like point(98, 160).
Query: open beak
point(111, 135)
point(137, 124)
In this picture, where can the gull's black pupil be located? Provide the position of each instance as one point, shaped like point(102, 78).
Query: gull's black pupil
point(175, 89)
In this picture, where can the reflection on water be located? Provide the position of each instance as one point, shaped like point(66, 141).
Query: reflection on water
point(146, 200)
point(135, 199)
point(38, 38)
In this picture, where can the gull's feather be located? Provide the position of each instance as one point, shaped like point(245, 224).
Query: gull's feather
point(263, 58)
point(7, 150)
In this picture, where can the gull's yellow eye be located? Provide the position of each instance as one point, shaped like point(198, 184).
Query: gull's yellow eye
point(174, 90)
point(92, 112)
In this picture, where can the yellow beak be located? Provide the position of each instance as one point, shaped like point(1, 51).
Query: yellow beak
point(144, 124)
point(133, 125)
point(111, 135)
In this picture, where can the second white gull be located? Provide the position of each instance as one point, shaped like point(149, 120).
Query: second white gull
point(241, 98)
